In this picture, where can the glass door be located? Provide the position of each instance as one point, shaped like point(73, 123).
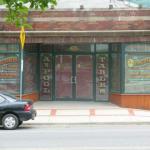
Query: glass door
point(74, 77)
point(84, 77)
point(63, 77)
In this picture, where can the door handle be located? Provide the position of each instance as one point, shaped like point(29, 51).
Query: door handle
point(75, 79)
point(71, 79)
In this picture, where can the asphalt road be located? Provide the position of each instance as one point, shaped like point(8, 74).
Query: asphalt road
point(79, 137)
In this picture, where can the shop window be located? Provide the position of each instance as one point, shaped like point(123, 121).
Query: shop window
point(74, 48)
point(9, 73)
point(137, 47)
point(46, 48)
point(137, 68)
point(115, 68)
point(31, 48)
point(102, 48)
point(30, 73)
point(9, 47)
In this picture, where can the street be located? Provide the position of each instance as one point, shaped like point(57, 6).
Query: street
point(76, 137)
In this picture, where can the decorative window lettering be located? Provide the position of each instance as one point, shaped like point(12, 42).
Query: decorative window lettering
point(46, 76)
point(101, 76)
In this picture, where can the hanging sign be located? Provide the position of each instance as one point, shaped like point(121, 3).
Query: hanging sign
point(22, 37)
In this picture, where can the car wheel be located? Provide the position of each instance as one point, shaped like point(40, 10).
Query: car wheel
point(10, 121)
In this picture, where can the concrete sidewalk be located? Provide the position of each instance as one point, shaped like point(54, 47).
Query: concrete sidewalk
point(70, 112)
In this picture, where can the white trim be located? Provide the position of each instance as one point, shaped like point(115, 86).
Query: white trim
point(88, 19)
point(85, 31)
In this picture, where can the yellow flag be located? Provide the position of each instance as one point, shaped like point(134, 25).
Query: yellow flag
point(22, 37)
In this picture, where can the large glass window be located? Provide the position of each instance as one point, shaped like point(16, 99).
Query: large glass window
point(30, 83)
point(102, 48)
point(74, 48)
point(115, 68)
point(9, 48)
point(138, 47)
point(137, 68)
point(30, 72)
point(9, 73)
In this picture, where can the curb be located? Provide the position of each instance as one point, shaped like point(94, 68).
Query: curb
point(96, 123)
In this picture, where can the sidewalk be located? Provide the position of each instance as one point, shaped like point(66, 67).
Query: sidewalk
point(70, 112)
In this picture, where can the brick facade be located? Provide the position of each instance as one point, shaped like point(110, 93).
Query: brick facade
point(83, 20)
point(86, 20)
point(86, 26)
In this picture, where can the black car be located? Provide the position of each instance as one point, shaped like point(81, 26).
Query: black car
point(13, 112)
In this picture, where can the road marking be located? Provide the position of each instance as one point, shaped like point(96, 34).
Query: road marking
point(131, 112)
point(85, 148)
point(92, 112)
point(53, 112)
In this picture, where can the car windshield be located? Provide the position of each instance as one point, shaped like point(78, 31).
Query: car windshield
point(2, 99)
point(9, 97)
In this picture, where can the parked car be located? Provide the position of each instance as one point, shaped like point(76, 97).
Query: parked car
point(13, 111)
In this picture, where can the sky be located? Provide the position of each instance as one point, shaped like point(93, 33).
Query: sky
point(145, 3)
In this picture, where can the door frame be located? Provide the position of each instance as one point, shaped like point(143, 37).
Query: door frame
point(74, 55)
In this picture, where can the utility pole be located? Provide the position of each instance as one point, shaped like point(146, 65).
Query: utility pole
point(22, 41)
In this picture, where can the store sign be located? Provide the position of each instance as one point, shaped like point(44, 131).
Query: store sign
point(138, 68)
point(136, 62)
point(46, 76)
point(137, 73)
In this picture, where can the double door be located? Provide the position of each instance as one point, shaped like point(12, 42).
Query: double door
point(74, 77)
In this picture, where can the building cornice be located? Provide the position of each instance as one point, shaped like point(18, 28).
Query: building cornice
point(112, 33)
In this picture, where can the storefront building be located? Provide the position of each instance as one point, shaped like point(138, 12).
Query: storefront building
point(88, 55)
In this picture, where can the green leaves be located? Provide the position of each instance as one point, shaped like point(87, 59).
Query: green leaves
point(18, 10)
point(1, 2)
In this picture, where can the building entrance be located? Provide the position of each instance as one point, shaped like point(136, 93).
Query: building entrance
point(74, 77)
